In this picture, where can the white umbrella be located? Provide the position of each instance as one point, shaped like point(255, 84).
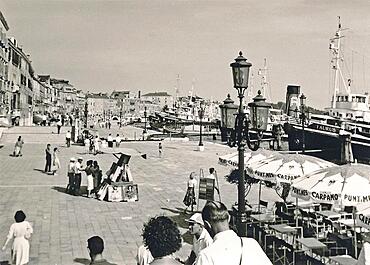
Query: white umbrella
point(363, 216)
point(346, 185)
point(286, 168)
point(232, 159)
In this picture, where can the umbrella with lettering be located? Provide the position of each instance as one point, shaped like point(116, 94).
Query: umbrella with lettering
point(249, 157)
point(345, 185)
point(363, 216)
point(286, 167)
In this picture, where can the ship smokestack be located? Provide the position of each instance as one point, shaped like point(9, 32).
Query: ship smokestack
point(292, 100)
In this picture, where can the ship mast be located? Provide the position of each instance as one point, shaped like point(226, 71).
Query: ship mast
point(263, 73)
point(335, 46)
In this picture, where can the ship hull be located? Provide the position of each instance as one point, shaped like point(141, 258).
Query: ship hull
point(327, 145)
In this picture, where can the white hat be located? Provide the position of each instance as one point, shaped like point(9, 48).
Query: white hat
point(72, 159)
point(196, 218)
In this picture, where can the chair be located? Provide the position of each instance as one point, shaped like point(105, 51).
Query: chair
point(305, 216)
point(317, 224)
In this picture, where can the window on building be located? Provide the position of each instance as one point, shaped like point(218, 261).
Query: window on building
point(15, 58)
point(29, 101)
point(30, 84)
point(23, 80)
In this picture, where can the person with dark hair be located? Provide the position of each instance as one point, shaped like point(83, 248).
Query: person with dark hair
point(189, 199)
point(162, 237)
point(18, 147)
point(21, 231)
point(89, 177)
point(48, 156)
point(56, 161)
point(212, 173)
point(227, 247)
point(95, 245)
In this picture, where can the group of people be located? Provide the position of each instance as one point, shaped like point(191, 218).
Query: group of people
point(52, 164)
point(93, 144)
point(93, 176)
point(214, 243)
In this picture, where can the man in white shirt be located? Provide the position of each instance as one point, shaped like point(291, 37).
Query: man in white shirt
point(227, 247)
point(201, 237)
point(110, 140)
point(78, 175)
point(212, 173)
point(118, 140)
point(68, 138)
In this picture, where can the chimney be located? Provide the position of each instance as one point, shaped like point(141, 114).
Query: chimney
point(292, 100)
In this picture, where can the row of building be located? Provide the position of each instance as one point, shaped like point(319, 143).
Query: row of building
point(26, 97)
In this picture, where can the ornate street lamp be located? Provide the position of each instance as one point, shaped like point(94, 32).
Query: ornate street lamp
point(228, 114)
point(201, 115)
point(259, 111)
point(303, 117)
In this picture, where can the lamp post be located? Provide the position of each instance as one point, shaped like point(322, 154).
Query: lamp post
point(303, 118)
point(120, 112)
point(86, 113)
point(145, 119)
point(259, 115)
point(201, 115)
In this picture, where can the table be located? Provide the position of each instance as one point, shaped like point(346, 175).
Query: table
point(311, 243)
point(285, 231)
point(350, 223)
point(331, 215)
point(263, 217)
point(343, 260)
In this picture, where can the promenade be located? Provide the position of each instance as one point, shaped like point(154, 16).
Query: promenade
point(62, 223)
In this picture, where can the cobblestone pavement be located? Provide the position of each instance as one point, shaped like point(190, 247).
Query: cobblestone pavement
point(62, 223)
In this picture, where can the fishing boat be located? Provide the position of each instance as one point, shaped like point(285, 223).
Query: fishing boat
point(348, 116)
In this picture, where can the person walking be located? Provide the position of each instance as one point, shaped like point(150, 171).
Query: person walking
point(160, 149)
point(71, 176)
point(56, 162)
point(227, 246)
point(89, 177)
point(189, 199)
point(78, 175)
point(21, 231)
point(68, 138)
point(110, 140)
point(97, 175)
point(59, 125)
point(96, 145)
point(18, 147)
point(87, 145)
point(48, 155)
point(118, 140)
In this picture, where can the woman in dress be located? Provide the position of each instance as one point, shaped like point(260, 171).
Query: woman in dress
point(18, 147)
point(55, 162)
point(189, 199)
point(89, 177)
point(21, 231)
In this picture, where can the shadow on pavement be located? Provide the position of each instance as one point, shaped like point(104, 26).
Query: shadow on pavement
point(59, 189)
point(5, 262)
point(81, 260)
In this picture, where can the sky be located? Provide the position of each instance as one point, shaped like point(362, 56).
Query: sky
point(101, 46)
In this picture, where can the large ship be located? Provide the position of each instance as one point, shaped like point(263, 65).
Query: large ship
point(348, 118)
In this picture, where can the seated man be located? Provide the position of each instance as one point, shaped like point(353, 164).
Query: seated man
point(95, 245)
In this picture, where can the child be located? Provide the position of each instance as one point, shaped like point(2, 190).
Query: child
point(160, 149)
